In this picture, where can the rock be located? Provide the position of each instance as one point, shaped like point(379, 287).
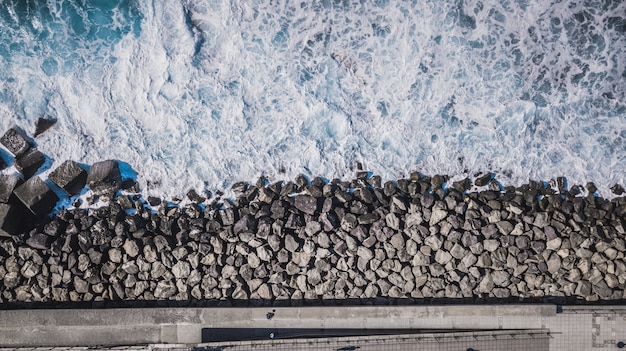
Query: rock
point(115, 255)
point(554, 263)
point(312, 228)
point(130, 267)
point(458, 251)
point(397, 241)
point(484, 179)
point(438, 213)
point(306, 204)
point(8, 183)
point(491, 245)
point(29, 269)
point(69, 176)
point(504, 227)
point(486, 285)
point(264, 292)
point(538, 246)
point(313, 276)
point(602, 289)
point(16, 142)
point(427, 200)
point(36, 196)
point(165, 289)
point(30, 162)
point(420, 260)
point(10, 220)
point(583, 288)
point(290, 243)
point(554, 244)
point(365, 253)
point(104, 177)
point(131, 248)
point(542, 219)
point(442, 257)
point(246, 223)
point(433, 242)
point(39, 241)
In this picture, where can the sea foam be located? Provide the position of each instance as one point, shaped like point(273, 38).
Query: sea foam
point(200, 94)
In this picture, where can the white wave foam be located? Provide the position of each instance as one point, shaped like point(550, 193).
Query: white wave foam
point(211, 92)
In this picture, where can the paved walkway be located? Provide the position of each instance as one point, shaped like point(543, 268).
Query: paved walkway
point(567, 328)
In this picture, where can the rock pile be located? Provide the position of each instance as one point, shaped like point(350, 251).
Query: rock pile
point(301, 242)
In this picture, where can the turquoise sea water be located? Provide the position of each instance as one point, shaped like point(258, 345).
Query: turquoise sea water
point(200, 94)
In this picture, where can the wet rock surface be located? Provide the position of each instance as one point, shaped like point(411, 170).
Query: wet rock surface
point(284, 243)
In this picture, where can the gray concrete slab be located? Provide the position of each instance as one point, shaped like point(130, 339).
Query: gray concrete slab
point(575, 328)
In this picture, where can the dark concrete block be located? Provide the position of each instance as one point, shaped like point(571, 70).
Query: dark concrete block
point(15, 142)
point(104, 177)
point(30, 162)
point(36, 196)
point(10, 220)
point(69, 176)
point(44, 124)
point(8, 183)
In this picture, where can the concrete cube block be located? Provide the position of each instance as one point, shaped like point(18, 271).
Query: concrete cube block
point(69, 176)
point(10, 220)
point(8, 183)
point(29, 163)
point(16, 142)
point(36, 196)
point(104, 177)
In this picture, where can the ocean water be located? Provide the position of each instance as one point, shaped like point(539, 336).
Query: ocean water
point(203, 93)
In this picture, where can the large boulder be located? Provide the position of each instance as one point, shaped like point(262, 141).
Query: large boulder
point(30, 162)
point(10, 220)
point(16, 142)
point(69, 176)
point(8, 183)
point(104, 177)
point(36, 196)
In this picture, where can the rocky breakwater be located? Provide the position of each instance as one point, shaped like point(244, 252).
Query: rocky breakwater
point(304, 242)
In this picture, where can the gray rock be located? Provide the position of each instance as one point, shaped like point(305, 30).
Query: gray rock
point(491, 245)
point(80, 286)
point(131, 248)
point(486, 285)
point(165, 289)
point(246, 223)
point(458, 251)
point(306, 204)
point(438, 213)
point(312, 228)
point(115, 255)
point(420, 260)
point(583, 288)
point(130, 267)
point(290, 243)
point(602, 289)
point(442, 257)
point(29, 269)
point(500, 278)
point(542, 219)
point(181, 270)
point(313, 276)
point(505, 227)
point(365, 253)
point(38, 241)
point(392, 221)
point(264, 292)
